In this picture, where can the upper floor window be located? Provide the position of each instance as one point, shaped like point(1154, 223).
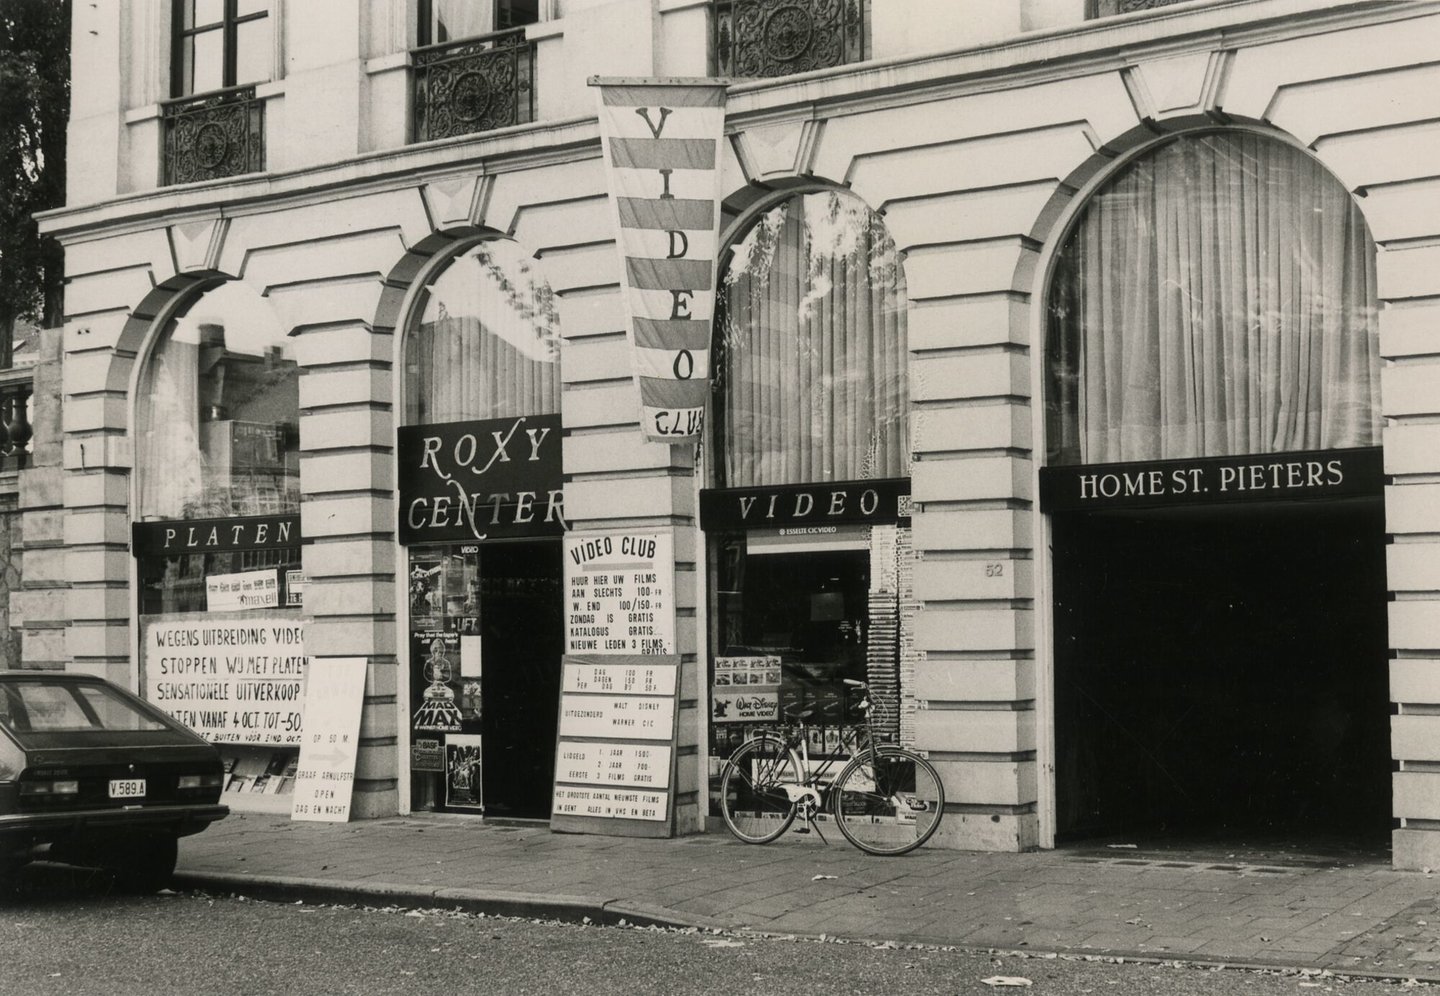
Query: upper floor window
point(221, 43)
point(764, 38)
point(444, 21)
point(474, 70)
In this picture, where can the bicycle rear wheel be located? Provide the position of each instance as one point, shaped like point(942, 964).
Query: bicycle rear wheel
point(754, 806)
point(889, 801)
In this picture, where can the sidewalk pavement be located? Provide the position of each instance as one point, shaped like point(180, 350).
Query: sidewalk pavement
point(1271, 908)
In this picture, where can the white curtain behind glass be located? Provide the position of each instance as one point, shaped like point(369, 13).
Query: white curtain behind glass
point(488, 342)
point(813, 385)
point(1218, 298)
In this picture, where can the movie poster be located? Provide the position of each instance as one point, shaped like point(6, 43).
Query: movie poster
point(462, 772)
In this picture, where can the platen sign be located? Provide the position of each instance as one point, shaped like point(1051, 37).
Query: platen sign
point(325, 778)
point(236, 681)
point(619, 594)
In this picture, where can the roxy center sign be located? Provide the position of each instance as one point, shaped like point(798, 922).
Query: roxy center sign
point(478, 479)
point(1212, 480)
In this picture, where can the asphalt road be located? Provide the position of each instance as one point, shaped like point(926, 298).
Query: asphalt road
point(69, 934)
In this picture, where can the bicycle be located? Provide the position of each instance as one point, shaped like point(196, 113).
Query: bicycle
point(886, 799)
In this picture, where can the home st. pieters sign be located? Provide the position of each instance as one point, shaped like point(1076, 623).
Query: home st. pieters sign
point(1210, 480)
point(252, 532)
point(879, 501)
point(478, 479)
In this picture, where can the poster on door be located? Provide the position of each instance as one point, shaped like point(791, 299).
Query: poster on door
point(463, 787)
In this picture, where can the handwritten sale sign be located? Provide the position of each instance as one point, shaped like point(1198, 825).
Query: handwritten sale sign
point(233, 681)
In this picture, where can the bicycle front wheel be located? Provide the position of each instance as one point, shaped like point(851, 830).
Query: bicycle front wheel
point(888, 801)
point(755, 806)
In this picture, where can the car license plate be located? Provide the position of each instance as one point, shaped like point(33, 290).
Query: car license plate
point(127, 788)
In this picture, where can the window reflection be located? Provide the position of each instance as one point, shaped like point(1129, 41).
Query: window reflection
point(487, 343)
point(217, 421)
point(811, 320)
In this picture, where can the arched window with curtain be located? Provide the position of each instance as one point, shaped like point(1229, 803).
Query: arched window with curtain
point(485, 340)
point(1215, 298)
point(812, 383)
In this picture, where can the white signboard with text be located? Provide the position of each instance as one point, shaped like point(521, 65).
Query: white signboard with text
point(649, 718)
point(249, 590)
point(325, 778)
point(615, 755)
point(620, 593)
point(237, 681)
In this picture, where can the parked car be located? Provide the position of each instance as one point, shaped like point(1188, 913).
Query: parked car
point(92, 775)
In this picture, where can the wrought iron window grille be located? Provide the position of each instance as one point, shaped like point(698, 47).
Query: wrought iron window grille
point(16, 430)
point(765, 38)
point(214, 135)
point(473, 85)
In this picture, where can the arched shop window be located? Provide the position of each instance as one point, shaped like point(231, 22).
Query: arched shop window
point(1216, 298)
point(808, 518)
point(812, 383)
point(216, 436)
point(481, 515)
point(1214, 488)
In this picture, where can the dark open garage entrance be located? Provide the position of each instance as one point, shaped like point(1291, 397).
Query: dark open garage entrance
point(1220, 671)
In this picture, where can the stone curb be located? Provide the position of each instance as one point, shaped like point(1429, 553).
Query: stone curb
point(568, 909)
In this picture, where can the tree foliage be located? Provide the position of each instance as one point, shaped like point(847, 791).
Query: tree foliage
point(34, 109)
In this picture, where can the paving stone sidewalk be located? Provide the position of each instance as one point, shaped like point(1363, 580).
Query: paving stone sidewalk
point(1347, 913)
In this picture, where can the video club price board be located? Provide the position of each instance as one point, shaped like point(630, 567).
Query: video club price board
point(615, 755)
point(620, 593)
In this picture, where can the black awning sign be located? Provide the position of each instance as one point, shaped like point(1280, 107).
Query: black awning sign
point(1213, 480)
point(478, 479)
point(173, 537)
point(871, 501)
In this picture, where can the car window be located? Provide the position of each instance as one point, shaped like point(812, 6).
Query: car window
point(41, 707)
point(115, 713)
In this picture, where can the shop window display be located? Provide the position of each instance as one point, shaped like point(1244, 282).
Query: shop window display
point(217, 534)
point(810, 586)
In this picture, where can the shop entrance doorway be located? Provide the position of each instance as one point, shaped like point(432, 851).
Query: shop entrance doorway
point(487, 634)
point(1220, 672)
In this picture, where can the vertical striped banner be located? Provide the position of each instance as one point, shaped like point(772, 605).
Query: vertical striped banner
point(661, 139)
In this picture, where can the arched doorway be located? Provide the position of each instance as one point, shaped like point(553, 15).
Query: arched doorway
point(1214, 488)
point(481, 516)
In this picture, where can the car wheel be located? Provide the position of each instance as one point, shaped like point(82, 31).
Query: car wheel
point(147, 866)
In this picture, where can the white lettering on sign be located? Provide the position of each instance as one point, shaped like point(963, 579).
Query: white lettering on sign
point(1275, 476)
point(638, 765)
point(619, 594)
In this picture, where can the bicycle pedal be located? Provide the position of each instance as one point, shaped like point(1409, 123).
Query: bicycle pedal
point(802, 829)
